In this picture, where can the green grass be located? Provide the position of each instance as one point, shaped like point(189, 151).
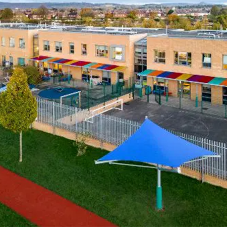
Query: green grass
point(122, 195)
point(9, 218)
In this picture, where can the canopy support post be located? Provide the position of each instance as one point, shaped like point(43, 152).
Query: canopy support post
point(159, 190)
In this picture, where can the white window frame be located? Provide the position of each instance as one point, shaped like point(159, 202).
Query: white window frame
point(100, 54)
point(3, 41)
point(46, 45)
point(224, 62)
point(83, 50)
point(71, 50)
point(206, 60)
point(113, 52)
point(186, 59)
point(157, 58)
point(22, 43)
point(11, 42)
point(58, 47)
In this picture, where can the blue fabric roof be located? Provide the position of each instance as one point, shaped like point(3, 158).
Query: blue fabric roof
point(154, 144)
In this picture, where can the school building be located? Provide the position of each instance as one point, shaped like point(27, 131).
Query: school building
point(192, 62)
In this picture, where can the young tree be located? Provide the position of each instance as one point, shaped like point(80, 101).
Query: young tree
point(18, 106)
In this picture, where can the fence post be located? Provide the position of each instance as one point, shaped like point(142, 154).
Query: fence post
point(180, 98)
point(88, 96)
point(53, 117)
point(202, 171)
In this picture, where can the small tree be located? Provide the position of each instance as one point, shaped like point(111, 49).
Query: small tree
point(18, 107)
point(33, 74)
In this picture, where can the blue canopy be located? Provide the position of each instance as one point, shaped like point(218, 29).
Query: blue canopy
point(153, 144)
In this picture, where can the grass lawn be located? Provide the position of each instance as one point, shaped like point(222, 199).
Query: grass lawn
point(122, 195)
point(9, 218)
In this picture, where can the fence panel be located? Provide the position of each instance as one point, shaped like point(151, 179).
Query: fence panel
point(116, 130)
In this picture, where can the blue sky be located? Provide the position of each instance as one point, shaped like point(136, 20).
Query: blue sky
point(123, 2)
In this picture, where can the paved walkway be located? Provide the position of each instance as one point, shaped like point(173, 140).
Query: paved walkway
point(41, 206)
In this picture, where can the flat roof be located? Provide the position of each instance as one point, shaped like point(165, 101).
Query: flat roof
point(193, 34)
point(151, 32)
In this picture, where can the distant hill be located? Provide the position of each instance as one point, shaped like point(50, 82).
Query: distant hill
point(84, 4)
point(50, 5)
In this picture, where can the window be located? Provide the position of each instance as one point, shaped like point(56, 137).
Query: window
point(21, 61)
point(159, 56)
point(71, 48)
point(11, 42)
point(84, 49)
point(225, 62)
point(46, 45)
point(206, 59)
point(101, 51)
point(182, 58)
point(11, 60)
point(3, 41)
point(21, 43)
point(117, 53)
point(58, 47)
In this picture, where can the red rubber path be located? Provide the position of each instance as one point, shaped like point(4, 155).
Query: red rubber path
point(41, 206)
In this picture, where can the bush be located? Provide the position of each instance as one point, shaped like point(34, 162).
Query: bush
point(33, 74)
point(80, 144)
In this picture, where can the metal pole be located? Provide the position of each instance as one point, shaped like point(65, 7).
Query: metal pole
point(167, 91)
point(159, 190)
point(196, 98)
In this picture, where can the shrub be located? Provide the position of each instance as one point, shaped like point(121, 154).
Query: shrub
point(33, 74)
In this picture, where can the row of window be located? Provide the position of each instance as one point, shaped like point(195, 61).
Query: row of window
point(12, 42)
point(116, 52)
point(20, 61)
point(185, 58)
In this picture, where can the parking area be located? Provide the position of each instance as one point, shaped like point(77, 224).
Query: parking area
point(175, 119)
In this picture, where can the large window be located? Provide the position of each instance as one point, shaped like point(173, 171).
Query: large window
point(71, 48)
point(84, 49)
point(21, 43)
point(206, 59)
point(21, 61)
point(140, 58)
point(182, 58)
point(3, 41)
point(159, 56)
point(101, 51)
point(46, 45)
point(224, 62)
point(58, 47)
point(117, 53)
point(11, 42)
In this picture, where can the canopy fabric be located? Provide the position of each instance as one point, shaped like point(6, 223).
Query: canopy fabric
point(153, 144)
point(75, 63)
point(218, 81)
